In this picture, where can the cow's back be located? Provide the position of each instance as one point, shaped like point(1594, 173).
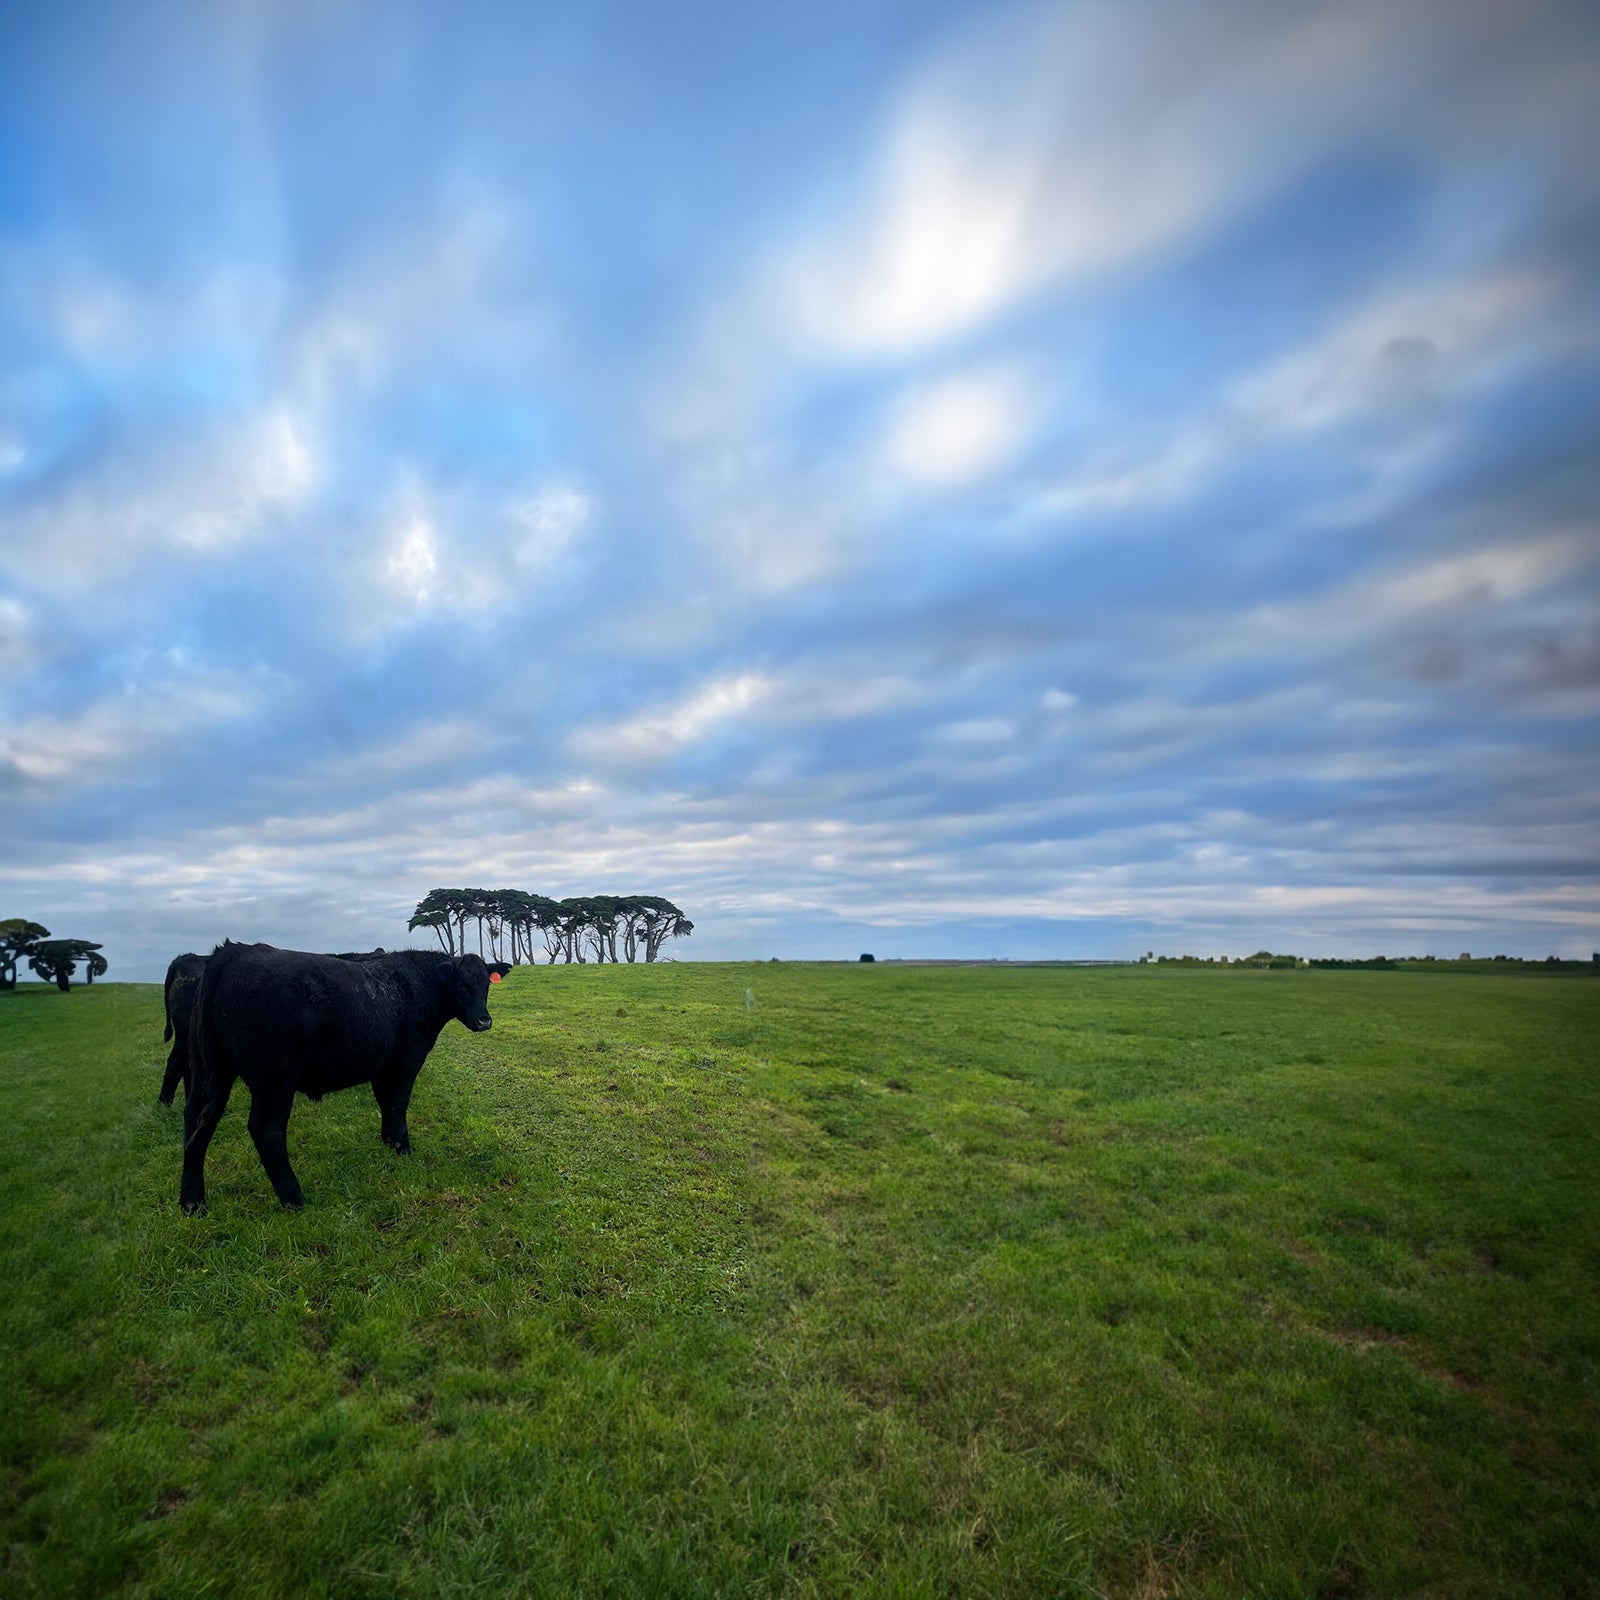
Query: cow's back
point(314, 1019)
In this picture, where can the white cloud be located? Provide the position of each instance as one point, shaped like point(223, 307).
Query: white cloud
point(550, 521)
point(952, 241)
point(1085, 138)
point(272, 470)
point(1041, 149)
point(807, 695)
point(959, 428)
point(138, 729)
point(438, 743)
point(977, 731)
point(464, 552)
point(449, 288)
point(1404, 357)
point(658, 733)
point(1417, 347)
point(1166, 476)
point(772, 539)
point(237, 402)
point(783, 700)
point(212, 489)
point(1478, 580)
point(412, 563)
point(17, 645)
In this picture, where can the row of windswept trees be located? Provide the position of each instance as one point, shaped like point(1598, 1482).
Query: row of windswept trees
point(512, 924)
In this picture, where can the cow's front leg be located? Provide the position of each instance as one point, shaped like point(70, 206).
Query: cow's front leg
point(394, 1099)
point(269, 1127)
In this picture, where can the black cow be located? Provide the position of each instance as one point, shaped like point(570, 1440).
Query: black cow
point(288, 1021)
point(183, 983)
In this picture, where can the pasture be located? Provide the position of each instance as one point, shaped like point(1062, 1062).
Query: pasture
point(897, 1282)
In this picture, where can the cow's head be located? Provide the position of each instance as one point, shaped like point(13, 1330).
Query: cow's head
point(469, 981)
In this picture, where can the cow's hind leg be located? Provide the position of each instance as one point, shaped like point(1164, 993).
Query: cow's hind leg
point(201, 1114)
point(269, 1127)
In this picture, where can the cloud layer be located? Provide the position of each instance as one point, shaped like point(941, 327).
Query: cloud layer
point(1057, 480)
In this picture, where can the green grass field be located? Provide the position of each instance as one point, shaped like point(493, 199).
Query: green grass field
point(897, 1282)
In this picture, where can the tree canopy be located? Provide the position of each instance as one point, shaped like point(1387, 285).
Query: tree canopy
point(509, 923)
point(57, 959)
point(18, 937)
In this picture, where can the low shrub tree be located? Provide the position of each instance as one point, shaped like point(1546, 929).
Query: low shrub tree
point(55, 960)
point(18, 939)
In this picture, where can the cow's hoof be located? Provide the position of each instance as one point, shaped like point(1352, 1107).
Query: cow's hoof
point(164, 1099)
point(193, 1208)
point(296, 1204)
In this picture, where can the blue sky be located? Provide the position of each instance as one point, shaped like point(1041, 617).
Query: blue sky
point(953, 480)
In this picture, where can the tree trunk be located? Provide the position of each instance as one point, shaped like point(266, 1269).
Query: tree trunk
point(61, 980)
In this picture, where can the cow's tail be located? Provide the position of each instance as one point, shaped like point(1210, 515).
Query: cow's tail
point(204, 1047)
point(166, 1038)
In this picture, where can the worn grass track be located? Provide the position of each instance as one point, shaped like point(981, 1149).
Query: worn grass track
point(900, 1282)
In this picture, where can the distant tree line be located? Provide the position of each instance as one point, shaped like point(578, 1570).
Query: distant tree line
point(55, 960)
point(511, 924)
point(1265, 958)
point(1261, 958)
point(1389, 963)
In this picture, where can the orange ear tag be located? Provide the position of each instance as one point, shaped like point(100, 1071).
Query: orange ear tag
point(494, 977)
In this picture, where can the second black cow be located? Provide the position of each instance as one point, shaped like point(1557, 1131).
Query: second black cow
point(183, 983)
point(288, 1022)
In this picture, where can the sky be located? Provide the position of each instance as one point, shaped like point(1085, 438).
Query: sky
point(949, 480)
